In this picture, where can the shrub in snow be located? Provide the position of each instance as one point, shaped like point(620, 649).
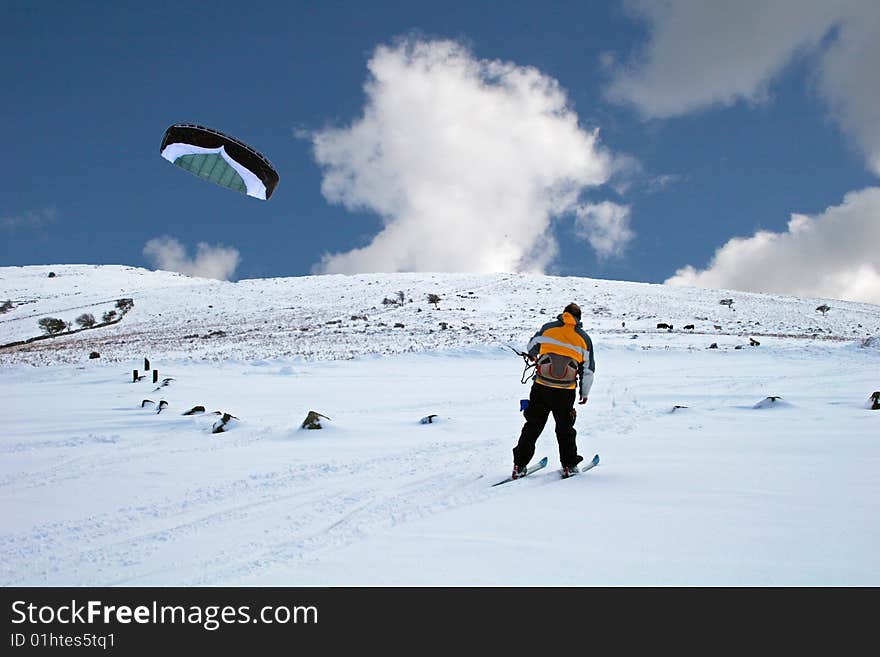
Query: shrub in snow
point(6, 307)
point(398, 299)
point(86, 320)
point(52, 325)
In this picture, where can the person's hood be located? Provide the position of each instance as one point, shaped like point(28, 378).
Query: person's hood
point(568, 318)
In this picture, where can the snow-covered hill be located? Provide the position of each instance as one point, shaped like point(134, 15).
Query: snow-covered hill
point(98, 488)
point(341, 317)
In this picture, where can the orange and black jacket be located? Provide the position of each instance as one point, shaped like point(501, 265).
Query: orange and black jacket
point(566, 337)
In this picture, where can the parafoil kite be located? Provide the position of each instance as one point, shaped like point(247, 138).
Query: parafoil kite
point(219, 158)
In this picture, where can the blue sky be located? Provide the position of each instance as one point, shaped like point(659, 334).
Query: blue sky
point(713, 124)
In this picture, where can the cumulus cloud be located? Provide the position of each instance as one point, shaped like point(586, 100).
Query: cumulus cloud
point(834, 254)
point(168, 254)
point(606, 226)
point(848, 80)
point(704, 53)
point(467, 161)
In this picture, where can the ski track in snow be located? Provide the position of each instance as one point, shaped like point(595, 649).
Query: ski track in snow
point(302, 510)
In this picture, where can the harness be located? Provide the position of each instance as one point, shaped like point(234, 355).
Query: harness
point(556, 370)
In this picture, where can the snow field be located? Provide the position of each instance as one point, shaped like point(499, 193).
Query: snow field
point(96, 490)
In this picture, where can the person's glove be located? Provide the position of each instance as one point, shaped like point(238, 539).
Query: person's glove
point(583, 400)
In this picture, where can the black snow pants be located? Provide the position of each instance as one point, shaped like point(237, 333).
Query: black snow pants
point(544, 400)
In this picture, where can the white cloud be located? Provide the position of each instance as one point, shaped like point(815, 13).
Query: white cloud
point(30, 220)
point(848, 79)
point(835, 254)
point(467, 161)
point(707, 52)
point(605, 226)
point(704, 53)
point(168, 254)
point(663, 181)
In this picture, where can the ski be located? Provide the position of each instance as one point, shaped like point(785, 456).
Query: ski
point(532, 468)
point(588, 466)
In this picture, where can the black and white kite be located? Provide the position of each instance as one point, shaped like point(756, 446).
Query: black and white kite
point(222, 159)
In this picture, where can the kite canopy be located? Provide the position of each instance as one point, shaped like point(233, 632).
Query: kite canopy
point(219, 158)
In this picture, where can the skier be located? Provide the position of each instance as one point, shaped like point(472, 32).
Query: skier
point(563, 353)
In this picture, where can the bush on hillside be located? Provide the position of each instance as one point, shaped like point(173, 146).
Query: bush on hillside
point(397, 300)
point(52, 325)
point(86, 320)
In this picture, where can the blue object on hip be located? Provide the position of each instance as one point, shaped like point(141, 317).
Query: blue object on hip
point(523, 404)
